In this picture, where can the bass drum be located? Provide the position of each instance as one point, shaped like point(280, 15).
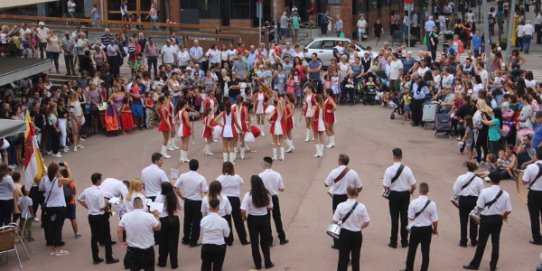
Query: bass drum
point(334, 230)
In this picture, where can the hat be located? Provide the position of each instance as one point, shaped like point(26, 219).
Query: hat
point(268, 160)
point(41, 23)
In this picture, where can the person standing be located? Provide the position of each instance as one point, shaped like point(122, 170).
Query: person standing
point(468, 187)
point(214, 229)
point(42, 34)
point(324, 22)
point(423, 214)
point(71, 8)
point(53, 49)
point(353, 217)
point(528, 32)
point(284, 26)
point(168, 238)
point(68, 44)
point(396, 73)
point(274, 183)
point(533, 178)
point(339, 179)
point(194, 187)
point(92, 199)
point(255, 209)
point(494, 206)
point(152, 176)
point(139, 241)
point(432, 42)
point(400, 183)
point(418, 91)
point(362, 28)
point(113, 55)
point(7, 187)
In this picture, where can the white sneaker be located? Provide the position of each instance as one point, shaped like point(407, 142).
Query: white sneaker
point(66, 149)
point(81, 146)
point(75, 149)
point(57, 155)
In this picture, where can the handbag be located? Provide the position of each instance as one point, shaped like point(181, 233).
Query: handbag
point(475, 213)
point(334, 229)
point(386, 192)
point(337, 179)
point(455, 198)
point(409, 226)
point(47, 200)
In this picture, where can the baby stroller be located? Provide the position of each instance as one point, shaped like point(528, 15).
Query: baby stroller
point(443, 122)
point(369, 95)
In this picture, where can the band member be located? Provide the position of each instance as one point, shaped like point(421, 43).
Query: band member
point(308, 111)
point(165, 125)
point(533, 178)
point(260, 103)
point(329, 118)
point(318, 126)
point(339, 179)
point(168, 239)
point(92, 199)
point(229, 133)
point(210, 103)
point(494, 206)
point(468, 187)
point(400, 182)
point(185, 130)
point(243, 118)
point(171, 142)
point(274, 183)
point(255, 209)
point(215, 192)
point(289, 115)
point(213, 229)
point(350, 238)
point(278, 128)
point(423, 214)
point(209, 122)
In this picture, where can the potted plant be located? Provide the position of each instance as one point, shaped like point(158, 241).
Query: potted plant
point(503, 43)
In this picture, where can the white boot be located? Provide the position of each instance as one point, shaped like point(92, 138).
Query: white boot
point(225, 156)
point(317, 147)
point(290, 144)
point(169, 143)
point(242, 153)
point(321, 150)
point(274, 154)
point(181, 157)
point(232, 157)
point(172, 140)
point(208, 146)
point(331, 142)
point(205, 149)
point(164, 152)
point(186, 157)
point(262, 128)
point(307, 135)
point(282, 150)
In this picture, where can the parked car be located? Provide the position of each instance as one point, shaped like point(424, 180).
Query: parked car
point(323, 47)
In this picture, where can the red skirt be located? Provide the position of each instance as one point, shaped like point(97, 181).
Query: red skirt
point(289, 124)
point(163, 127)
point(329, 118)
point(127, 120)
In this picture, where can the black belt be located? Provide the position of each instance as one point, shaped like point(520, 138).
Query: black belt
point(141, 249)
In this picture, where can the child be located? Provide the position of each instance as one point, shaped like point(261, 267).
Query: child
point(149, 113)
point(335, 86)
point(468, 138)
point(25, 205)
point(378, 29)
point(327, 81)
point(127, 120)
point(407, 99)
point(16, 176)
point(349, 87)
point(208, 131)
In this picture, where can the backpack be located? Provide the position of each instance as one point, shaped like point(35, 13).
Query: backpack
point(68, 193)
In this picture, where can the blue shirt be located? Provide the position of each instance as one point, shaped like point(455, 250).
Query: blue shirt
point(314, 65)
point(537, 137)
point(476, 41)
point(419, 94)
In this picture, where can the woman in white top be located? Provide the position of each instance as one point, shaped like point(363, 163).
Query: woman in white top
point(183, 58)
point(278, 128)
point(529, 80)
point(213, 54)
point(168, 239)
point(255, 209)
point(229, 123)
point(344, 68)
point(232, 52)
point(215, 192)
point(308, 111)
point(76, 119)
point(319, 126)
point(7, 187)
point(223, 54)
point(260, 103)
point(55, 205)
point(231, 186)
point(136, 189)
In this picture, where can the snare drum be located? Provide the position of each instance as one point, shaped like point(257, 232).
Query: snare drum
point(455, 200)
point(409, 226)
point(386, 193)
point(334, 230)
point(475, 215)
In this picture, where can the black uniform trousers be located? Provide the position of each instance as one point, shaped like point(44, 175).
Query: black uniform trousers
point(192, 218)
point(419, 235)
point(535, 210)
point(336, 199)
point(398, 205)
point(489, 225)
point(212, 257)
point(258, 228)
point(349, 246)
point(168, 241)
point(417, 111)
point(278, 220)
point(237, 220)
point(138, 258)
point(100, 233)
point(466, 204)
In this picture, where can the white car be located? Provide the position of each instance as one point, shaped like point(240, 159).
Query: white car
point(323, 47)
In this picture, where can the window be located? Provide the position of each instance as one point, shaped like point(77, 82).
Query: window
point(335, 2)
point(240, 9)
point(316, 45)
point(328, 44)
point(209, 9)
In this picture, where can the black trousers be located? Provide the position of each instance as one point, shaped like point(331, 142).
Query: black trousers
point(114, 66)
point(212, 257)
point(42, 46)
point(489, 225)
point(53, 225)
point(152, 62)
point(37, 200)
point(169, 241)
point(398, 206)
point(100, 233)
point(278, 220)
point(417, 111)
point(68, 59)
point(336, 199)
point(466, 204)
point(6, 210)
point(349, 246)
point(192, 218)
point(481, 145)
point(535, 210)
point(237, 220)
point(419, 235)
point(140, 259)
point(258, 228)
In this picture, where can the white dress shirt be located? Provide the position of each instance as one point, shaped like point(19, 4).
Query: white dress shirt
point(129, 203)
point(53, 194)
point(500, 206)
point(193, 185)
point(425, 218)
point(139, 227)
point(356, 219)
point(340, 187)
point(473, 189)
point(213, 229)
point(528, 30)
point(272, 181)
point(163, 212)
point(530, 173)
point(231, 185)
point(94, 198)
point(403, 183)
point(248, 206)
point(153, 176)
point(224, 210)
point(111, 187)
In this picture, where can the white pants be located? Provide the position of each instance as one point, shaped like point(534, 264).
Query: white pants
point(62, 125)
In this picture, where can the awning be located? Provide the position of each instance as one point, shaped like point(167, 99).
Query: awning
point(11, 127)
point(13, 68)
point(18, 3)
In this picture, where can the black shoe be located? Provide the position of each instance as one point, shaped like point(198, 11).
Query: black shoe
point(245, 243)
point(462, 244)
point(185, 242)
point(62, 244)
point(284, 242)
point(113, 243)
point(335, 247)
point(112, 261)
point(473, 243)
point(98, 261)
point(403, 245)
point(269, 265)
point(392, 245)
point(161, 264)
point(537, 243)
point(174, 266)
point(470, 267)
point(195, 245)
point(414, 124)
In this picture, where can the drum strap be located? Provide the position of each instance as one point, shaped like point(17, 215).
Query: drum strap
point(420, 212)
point(488, 204)
point(399, 171)
point(341, 175)
point(537, 176)
point(349, 212)
point(468, 183)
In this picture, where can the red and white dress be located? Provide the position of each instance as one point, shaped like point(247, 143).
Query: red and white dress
point(289, 121)
point(278, 123)
point(209, 104)
point(184, 128)
point(207, 131)
point(329, 117)
point(260, 99)
point(164, 119)
point(170, 110)
point(308, 110)
point(318, 122)
point(228, 131)
point(241, 117)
